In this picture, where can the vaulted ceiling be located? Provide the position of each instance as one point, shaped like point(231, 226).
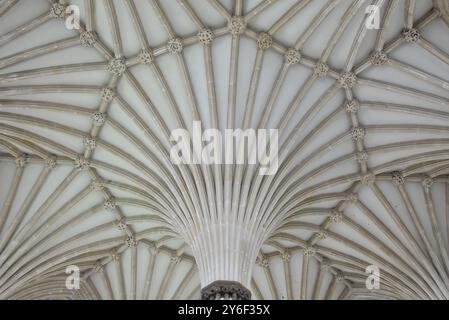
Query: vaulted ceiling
point(86, 178)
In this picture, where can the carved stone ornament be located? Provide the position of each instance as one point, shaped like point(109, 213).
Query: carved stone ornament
point(205, 36)
point(225, 290)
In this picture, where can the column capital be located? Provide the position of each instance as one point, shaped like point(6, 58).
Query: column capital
point(225, 290)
